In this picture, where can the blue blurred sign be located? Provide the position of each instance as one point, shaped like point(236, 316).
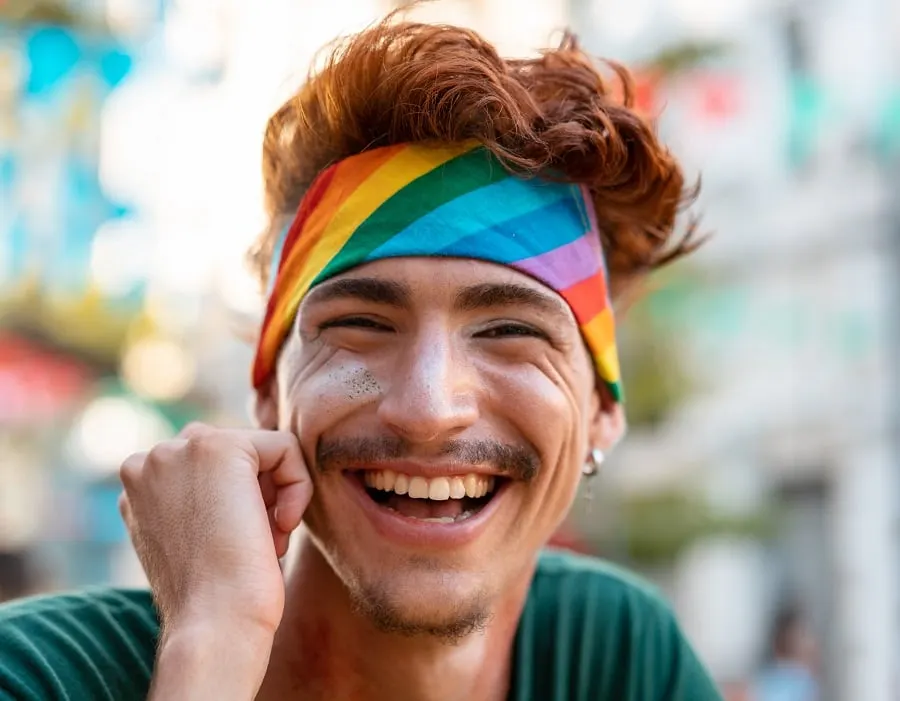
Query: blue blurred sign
point(51, 196)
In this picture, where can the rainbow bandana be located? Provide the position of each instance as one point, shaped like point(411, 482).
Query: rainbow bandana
point(454, 201)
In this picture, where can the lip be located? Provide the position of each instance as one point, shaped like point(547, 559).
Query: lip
point(429, 470)
point(413, 532)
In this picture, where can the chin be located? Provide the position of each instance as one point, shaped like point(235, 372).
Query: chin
point(444, 605)
point(407, 594)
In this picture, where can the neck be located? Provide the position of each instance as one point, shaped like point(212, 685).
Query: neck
point(324, 649)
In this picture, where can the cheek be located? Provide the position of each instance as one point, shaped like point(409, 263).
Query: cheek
point(542, 406)
point(320, 395)
point(549, 406)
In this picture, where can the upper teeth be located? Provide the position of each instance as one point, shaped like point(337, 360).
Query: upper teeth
point(437, 488)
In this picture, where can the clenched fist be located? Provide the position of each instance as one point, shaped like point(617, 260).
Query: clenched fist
point(209, 514)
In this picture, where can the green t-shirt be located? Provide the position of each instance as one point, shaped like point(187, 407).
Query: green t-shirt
point(589, 632)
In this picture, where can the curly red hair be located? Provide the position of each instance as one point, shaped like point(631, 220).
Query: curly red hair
point(401, 81)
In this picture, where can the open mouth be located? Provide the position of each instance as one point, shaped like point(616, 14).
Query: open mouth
point(436, 499)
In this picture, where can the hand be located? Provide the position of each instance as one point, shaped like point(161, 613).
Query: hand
point(209, 514)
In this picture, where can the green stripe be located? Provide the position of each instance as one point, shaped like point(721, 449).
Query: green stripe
point(470, 171)
point(616, 390)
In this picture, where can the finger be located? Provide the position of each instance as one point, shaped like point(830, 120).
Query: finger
point(131, 468)
point(268, 488)
point(282, 542)
point(280, 539)
point(278, 452)
point(290, 504)
point(125, 509)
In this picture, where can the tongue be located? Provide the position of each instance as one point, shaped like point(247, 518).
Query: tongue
point(425, 508)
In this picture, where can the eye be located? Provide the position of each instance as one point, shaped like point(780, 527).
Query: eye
point(511, 330)
point(355, 322)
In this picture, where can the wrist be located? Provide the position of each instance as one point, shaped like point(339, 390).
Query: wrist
point(211, 660)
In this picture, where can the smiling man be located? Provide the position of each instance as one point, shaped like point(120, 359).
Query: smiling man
point(436, 373)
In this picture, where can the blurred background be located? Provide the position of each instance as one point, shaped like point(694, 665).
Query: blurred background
point(759, 483)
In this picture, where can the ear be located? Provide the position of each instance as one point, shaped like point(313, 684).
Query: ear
point(264, 406)
point(607, 421)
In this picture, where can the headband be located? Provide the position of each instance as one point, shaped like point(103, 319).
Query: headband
point(452, 201)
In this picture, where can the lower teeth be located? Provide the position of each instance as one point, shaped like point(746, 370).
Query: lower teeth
point(447, 519)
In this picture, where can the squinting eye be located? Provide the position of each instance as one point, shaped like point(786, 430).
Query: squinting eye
point(511, 331)
point(355, 322)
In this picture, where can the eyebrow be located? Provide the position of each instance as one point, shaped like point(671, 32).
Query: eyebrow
point(397, 294)
point(366, 289)
point(497, 295)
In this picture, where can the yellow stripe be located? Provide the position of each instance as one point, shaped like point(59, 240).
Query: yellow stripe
point(383, 184)
point(608, 364)
point(347, 177)
point(386, 181)
point(600, 335)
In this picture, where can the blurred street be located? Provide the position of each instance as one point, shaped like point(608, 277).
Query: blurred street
point(761, 471)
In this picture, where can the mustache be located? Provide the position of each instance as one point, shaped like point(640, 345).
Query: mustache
point(515, 461)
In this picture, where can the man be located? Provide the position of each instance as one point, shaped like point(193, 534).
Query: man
point(791, 673)
point(435, 373)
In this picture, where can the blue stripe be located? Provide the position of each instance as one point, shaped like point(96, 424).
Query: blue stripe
point(526, 236)
point(485, 208)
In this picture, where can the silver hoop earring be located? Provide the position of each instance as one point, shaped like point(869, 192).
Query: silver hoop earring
point(593, 463)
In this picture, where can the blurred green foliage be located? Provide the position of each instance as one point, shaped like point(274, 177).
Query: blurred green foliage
point(45, 12)
point(682, 57)
point(654, 371)
point(652, 529)
point(87, 327)
point(657, 527)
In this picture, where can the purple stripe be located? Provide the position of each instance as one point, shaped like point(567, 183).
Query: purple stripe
point(594, 231)
point(564, 266)
point(592, 221)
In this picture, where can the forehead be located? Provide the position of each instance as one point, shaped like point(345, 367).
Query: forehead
point(429, 281)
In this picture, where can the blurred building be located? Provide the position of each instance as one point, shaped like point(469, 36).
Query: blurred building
point(789, 322)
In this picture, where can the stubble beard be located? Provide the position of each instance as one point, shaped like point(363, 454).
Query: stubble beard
point(376, 603)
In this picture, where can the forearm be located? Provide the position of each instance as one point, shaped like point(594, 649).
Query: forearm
point(215, 663)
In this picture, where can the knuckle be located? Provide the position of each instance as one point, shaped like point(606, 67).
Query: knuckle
point(287, 440)
point(202, 447)
point(197, 445)
point(159, 454)
point(194, 429)
point(153, 460)
point(131, 468)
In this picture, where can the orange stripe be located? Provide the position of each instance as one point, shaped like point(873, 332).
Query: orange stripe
point(308, 204)
point(600, 332)
point(407, 165)
point(345, 182)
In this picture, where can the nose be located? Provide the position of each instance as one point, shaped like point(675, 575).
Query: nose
point(432, 396)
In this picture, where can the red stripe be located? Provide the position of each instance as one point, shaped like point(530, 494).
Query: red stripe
point(307, 207)
point(587, 298)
